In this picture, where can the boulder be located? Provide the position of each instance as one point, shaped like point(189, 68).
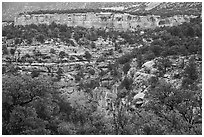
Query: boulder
point(141, 78)
point(154, 71)
point(149, 64)
point(168, 76)
point(149, 67)
point(139, 96)
point(131, 72)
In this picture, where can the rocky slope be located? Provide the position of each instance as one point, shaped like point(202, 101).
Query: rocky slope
point(143, 76)
point(46, 60)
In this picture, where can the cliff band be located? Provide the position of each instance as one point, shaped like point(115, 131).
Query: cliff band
point(116, 21)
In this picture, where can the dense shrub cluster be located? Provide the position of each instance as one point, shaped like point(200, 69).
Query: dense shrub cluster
point(42, 32)
point(185, 39)
point(34, 106)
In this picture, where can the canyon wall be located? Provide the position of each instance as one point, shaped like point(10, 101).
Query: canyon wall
point(115, 21)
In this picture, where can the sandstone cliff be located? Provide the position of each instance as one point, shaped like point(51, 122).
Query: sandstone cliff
point(116, 21)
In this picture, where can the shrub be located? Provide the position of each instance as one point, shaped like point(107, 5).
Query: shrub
point(124, 59)
point(149, 55)
point(40, 38)
point(140, 60)
point(100, 59)
point(52, 51)
point(62, 54)
point(126, 83)
point(3, 69)
point(156, 49)
point(37, 53)
point(163, 64)
point(5, 50)
point(93, 45)
point(35, 73)
point(92, 71)
point(126, 67)
point(157, 42)
point(18, 41)
point(190, 74)
point(87, 55)
point(12, 51)
point(29, 41)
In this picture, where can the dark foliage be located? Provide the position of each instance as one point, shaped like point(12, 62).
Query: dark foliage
point(62, 54)
point(87, 55)
point(52, 51)
point(4, 50)
point(190, 74)
point(176, 108)
point(35, 73)
point(12, 51)
point(40, 38)
point(126, 67)
point(124, 59)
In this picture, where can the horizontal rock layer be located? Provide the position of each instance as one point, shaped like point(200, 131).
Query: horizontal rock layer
point(102, 20)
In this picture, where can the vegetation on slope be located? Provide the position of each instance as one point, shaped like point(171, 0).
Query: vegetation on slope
point(33, 104)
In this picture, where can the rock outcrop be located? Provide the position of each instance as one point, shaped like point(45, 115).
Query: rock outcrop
point(116, 21)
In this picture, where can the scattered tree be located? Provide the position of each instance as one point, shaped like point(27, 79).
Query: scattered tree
point(62, 54)
point(87, 55)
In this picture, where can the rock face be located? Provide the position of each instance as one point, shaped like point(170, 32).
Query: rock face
point(116, 21)
point(149, 67)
